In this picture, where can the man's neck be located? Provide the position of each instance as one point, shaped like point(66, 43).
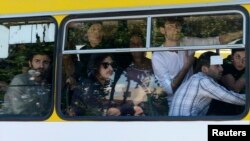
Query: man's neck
point(171, 43)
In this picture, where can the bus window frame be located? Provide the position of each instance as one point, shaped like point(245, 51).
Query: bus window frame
point(153, 13)
point(53, 88)
point(148, 37)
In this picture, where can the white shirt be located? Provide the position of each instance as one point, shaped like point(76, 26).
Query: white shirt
point(167, 64)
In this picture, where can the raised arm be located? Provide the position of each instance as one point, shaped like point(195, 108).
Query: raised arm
point(188, 62)
point(226, 38)
point(236, 85)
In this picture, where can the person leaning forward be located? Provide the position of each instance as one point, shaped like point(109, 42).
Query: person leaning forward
point(194, 96)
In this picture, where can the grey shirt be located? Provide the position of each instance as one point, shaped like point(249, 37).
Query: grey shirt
point(27, 97)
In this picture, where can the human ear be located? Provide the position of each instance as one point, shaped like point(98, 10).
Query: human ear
point(204, 69)
point(162, 30)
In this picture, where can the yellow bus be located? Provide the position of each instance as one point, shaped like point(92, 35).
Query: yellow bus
point(97, 70)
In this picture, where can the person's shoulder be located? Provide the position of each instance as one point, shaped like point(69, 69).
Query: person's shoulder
point(22, 76)
point(160, 54)
point(201, 76)
point(20, 79)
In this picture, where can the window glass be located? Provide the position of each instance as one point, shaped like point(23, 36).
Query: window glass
point(197, 30)
point(131, 84)
point(102, 34)
point(145, 67)
point(26, 67)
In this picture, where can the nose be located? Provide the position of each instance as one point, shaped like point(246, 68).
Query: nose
point(243, 61)
point(220, 68)
point(111, 67)
point(41, 65)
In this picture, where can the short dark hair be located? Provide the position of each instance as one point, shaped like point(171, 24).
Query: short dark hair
point(204, 60)
point(90, 23)
point(39, 50)
point(237, 49)
point(162, 20)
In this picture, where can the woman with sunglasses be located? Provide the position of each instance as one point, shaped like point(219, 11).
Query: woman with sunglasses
point(90, 97)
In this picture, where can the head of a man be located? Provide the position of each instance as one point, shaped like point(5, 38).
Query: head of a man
point(40, 62)
point(95, 33)
point(171, 27)
point(136, 41)
point(210, 64)
point(239, 59)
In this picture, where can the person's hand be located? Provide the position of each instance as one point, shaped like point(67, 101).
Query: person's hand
point(138, 111)
point(113, 112)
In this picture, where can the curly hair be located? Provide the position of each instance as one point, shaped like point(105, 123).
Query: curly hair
point(95, 62)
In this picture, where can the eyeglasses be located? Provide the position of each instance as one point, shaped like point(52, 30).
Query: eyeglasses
point(107, 64)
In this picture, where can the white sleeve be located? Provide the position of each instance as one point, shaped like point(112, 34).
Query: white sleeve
point(161, 72)
point(190, 41)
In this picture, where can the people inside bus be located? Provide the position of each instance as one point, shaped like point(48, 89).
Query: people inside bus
point(94, 40)
point(90, 97)
point(30, 93)
point(175, 67)
point(233, 78)
point(193, 97)
point(138, 86)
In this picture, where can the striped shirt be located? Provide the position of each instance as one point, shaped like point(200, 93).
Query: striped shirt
point(193, 97)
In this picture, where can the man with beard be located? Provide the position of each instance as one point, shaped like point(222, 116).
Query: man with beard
point(30, 93)
point(193, 97)
point(172, 68)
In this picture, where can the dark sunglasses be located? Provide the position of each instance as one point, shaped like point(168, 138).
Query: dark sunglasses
point(106, 65)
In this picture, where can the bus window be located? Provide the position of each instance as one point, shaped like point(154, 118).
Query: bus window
point(145, 63)
point(197, 30)
point(26, 70)
point(105, 34)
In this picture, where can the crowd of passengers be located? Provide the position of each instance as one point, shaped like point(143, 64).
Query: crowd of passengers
point(172, 83)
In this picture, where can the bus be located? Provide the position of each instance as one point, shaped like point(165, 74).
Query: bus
point(71, 69)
